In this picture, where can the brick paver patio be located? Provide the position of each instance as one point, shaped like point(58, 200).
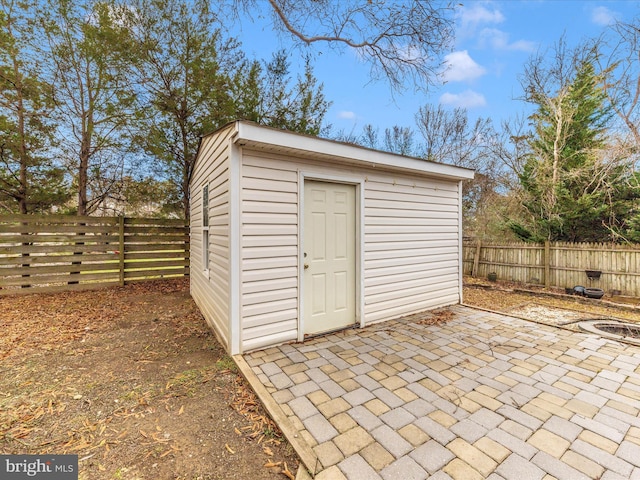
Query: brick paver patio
point(481, 396)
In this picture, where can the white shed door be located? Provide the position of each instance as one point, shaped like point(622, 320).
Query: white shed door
point(329, 256)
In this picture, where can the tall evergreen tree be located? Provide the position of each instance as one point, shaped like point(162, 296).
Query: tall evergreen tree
point(572, 187)
point(193, 80)
point(29, 181)
point(94, 94)
point(266, 95)
point(184, 66)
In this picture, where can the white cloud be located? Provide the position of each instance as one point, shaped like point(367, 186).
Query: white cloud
point(603, 16)
point(346, 115)
point(466, 99)
point(461, 67)
point(499, 40)
point(471, 17)
point(409, 53)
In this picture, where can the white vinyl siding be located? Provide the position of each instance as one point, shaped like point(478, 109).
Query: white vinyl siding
point(269, 232)
point(411, 259)
point(205, 228)
point(411, 245)
point(408, 224)
point(211, 292)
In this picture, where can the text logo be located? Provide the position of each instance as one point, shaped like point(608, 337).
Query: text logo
point(39, 467)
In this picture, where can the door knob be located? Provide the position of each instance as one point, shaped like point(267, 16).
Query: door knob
point(306, 265)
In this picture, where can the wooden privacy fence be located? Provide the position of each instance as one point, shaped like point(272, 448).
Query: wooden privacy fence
point(558, 264)
point(58, 252)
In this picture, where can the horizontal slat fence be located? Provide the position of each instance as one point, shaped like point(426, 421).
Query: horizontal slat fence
point(557, 264)
point(41, 253)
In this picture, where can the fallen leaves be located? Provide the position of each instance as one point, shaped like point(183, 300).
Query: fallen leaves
point(246, 403)
point(286, 472)
point(19, 421)
point(57, 320)
point(262, 428)
point(280, 467)
point(119, 377)
point(437, 317)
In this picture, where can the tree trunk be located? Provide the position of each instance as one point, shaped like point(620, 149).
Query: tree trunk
point(22, 147)
point(188, 162)
point(82, 193)
point(83, 168)
point(83, 174)
point(24, 160)
point(82, 180)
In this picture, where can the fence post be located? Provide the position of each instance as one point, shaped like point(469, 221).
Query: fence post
point(121, 248)
point(547, 264)
point(25, 254)
point(80, 253)
point(476, 259)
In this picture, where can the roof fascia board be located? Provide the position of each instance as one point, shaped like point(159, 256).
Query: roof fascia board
point(255, 133)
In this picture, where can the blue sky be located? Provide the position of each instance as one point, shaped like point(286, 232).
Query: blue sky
point(494, 39)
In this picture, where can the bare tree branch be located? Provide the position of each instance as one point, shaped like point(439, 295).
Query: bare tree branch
point(621, 70)
point(400, 40)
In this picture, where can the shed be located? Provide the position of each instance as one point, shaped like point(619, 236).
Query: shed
point(295, 236)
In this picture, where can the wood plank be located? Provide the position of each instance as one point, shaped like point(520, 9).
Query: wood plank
point(129, 230)
point(137, 238)
point(121, 251)
point(153, 247)
point(154, 221)
point(47, 219)
point(137, 265)
point(48, 279)
point(48, 259)
point(476, 259)
point(56, 228)
point(169, 255)
point(155, 273)
point(45, 238)
point(64, 248)
point(57, 288)
point(547, 264)
point(59, 269)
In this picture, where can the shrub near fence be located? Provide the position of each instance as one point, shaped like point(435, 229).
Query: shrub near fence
point(57, 252)
point(558, 264)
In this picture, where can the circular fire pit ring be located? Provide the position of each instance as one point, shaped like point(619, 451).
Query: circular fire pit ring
point(613, 329)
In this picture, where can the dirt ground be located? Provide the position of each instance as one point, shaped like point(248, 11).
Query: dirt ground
point(506, 297)
point(132, 381)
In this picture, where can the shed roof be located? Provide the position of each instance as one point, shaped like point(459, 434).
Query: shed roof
point(268, 139)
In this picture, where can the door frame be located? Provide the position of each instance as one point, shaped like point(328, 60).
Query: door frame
point(358, 182)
